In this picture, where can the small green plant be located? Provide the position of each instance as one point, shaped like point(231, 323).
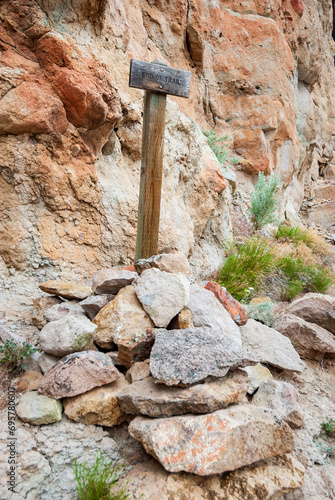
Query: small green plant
point(293, 234)
point(329, 427)
point(96, 481)
point(12, 354)
point(264, 201)
point(245, 269)
point(290, 290)
point(220, 147)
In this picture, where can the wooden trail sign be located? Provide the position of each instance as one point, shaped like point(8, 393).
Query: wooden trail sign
point(157, 79)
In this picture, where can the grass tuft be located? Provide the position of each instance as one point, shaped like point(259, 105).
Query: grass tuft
point(96, 481)
point(247, 268)
point(264, 202)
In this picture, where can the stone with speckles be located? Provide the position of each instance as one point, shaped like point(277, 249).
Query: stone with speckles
point(211, 444)
point(78, 373)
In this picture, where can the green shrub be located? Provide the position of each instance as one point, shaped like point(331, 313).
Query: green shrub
point(220, 147)
point(12, 354)
point(264, 201)
point(253, 261)
point(329, 427)
point(96, 482)
point(293, 234)
point(303, 277)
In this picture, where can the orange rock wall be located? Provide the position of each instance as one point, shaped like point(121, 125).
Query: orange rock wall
point(70, 127)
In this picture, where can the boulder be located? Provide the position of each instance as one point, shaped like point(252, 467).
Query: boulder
point(36, 409)
point(163, 295)
point(124, 322)
point(310, 340)
point(110, 281)
point(58, 311)
point(207, 311)
point(69, 334)
point(190, 355)
point(66, 289)
point(211, 444)
point(270, 346)
point(267, 480)
point(92, 305)
point(157, 400)
point(99, 406)
point(314, 308)
point(169, 262)
point(78, 373)
point(40, 306)
point(261, 309)
point(47, 361)
point(182, 320)
point(235, 309)
point(138, 371)
point(256, 375)
point(283, 398)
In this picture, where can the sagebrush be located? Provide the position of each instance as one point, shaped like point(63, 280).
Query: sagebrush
point(264, 200)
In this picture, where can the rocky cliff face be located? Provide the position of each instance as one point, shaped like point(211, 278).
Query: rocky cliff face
point(70, 127)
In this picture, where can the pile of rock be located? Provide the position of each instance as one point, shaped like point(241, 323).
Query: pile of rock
point(190, 355)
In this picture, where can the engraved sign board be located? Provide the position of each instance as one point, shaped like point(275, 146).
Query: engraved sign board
point(159, 78)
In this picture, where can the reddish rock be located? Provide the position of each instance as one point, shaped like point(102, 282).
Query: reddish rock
point(235, 309)
point(28, 108)
point(298, 6)
point(82, 101)
point(78, 373)
point(128, 268)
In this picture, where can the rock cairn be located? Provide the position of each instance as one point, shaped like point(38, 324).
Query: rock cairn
point(174, 357)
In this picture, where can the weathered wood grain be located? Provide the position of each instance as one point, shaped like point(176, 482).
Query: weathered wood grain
point(159, 78)
point(151, 175)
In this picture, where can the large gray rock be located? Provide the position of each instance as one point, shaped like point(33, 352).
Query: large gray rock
point(190, 355)
point(92, 305)
point(110, 281)
point(310, 340)
point(157, 400)
point(58, 311)
point(78, 373)
point(163, 295)
point(314, 308)
point(37, 409)
point(207, 311)
point(283, 398)
point(271, 346)
point(211, 444)
point(70, 334)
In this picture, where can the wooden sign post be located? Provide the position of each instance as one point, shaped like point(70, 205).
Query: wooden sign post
point(157, 79)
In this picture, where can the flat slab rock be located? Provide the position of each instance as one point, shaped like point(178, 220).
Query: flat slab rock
point(98, 406)
point(66, 289)
point(157, 400)
point(163, 295)
point(207, 310)
point(36, 409)
point(211, 444)
point(282, 397)
point(315, 308)
point(310, 340)
point(110, 281)
point(168, 262)
point(72, 333)
point(271, 346)
point(78, 373)
point(190, 355)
